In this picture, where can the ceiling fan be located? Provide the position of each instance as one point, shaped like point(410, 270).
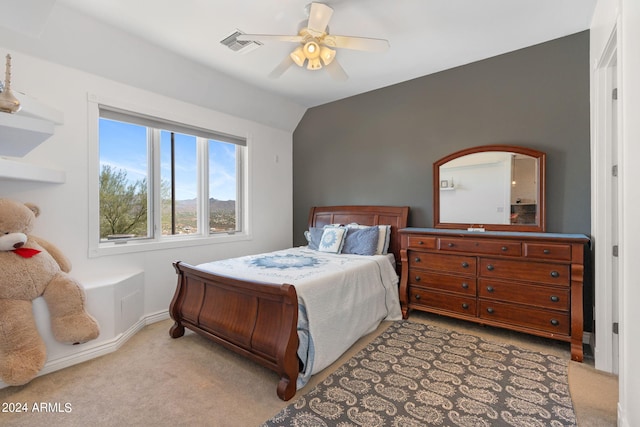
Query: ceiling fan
point(315, 44)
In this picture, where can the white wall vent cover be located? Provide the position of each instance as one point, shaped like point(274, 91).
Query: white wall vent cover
point(232, 42)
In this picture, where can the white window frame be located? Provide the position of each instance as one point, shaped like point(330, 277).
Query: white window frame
point(157, 241)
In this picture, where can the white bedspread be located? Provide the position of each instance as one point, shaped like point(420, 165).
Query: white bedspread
point(340, 297)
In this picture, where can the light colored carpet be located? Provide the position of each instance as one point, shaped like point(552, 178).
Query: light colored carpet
point(154, 380)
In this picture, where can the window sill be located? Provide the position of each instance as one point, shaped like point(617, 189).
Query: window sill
point(105, 249)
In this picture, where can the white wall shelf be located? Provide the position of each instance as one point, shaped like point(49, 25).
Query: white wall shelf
point(13, 170)
point(25, 130)
point(22, 132)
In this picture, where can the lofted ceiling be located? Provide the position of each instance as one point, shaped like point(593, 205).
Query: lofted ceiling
point(426, 36)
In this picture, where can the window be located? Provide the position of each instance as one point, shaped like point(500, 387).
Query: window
point(164, 181)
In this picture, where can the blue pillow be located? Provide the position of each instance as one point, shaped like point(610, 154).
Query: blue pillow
point(314, 235)
point(383, 237)
point(361, 241)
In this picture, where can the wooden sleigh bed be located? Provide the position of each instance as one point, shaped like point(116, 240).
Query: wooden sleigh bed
point(259, 320)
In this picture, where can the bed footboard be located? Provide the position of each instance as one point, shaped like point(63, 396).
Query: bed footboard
point(257, 320)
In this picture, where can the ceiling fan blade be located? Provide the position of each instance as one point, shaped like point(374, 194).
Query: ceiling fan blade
point(319, 16)
point(336, 71)
point(269, 38)
point(281, 68)
point(357, 43)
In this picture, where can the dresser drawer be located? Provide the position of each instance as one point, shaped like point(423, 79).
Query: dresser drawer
point(442, 301)
point(480, 246)
point(560, 252)
point(444, 282)
point(555, 274)
point(540, 296)
point(543, 320)
point(421, 242)
point(450, 263)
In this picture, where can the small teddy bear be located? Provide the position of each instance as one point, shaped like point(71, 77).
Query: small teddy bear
point(32, 267)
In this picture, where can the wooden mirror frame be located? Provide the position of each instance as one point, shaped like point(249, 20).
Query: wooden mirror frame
point(540, 225)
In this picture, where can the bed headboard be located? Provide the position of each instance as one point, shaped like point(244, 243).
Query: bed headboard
point(395, 216)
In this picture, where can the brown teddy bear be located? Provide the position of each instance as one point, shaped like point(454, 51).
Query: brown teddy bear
point(31, 267)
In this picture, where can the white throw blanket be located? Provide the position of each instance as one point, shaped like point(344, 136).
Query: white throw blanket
point(340, 297)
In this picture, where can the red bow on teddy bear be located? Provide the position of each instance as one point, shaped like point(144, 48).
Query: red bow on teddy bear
point(26, 252)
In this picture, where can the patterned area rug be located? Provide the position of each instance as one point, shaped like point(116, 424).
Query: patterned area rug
point(422, 375)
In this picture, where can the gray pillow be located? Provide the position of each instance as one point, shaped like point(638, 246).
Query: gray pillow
point(361, 241)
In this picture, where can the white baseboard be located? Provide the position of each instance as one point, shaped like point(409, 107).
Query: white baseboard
point(102, 348)
point(622, 420)
point(158, 316)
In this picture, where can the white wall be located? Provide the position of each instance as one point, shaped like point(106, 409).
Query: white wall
point(65, 208)
point(625, 16)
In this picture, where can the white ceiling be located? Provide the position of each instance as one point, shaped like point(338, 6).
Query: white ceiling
point(426, 36)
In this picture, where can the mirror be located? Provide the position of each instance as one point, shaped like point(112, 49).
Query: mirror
point(492, 187)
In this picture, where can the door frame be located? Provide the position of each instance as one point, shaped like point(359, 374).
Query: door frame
point(602, 219)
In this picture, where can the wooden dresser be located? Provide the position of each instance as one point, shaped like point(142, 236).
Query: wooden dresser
point(527, 282)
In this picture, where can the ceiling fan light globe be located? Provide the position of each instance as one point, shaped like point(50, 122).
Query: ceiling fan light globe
point(327, 55)
point(314, 64)
point(298, 56)
point(311, 50)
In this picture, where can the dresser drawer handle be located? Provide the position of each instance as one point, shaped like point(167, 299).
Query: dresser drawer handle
point(417, 296)
point(451, 245)
point(504, 249)
point(555, 274)
point(490, 310)
point(418, 278)
point(465, 305)
point(555, 322)
point(490, 267)
point(465, 264)
point(465, 285)
point(555, 298)
point(417, 259)
point(490, 289)
point(420, 242)
point(546, 251)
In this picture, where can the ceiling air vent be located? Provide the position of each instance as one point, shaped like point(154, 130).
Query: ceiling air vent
point(232, 42)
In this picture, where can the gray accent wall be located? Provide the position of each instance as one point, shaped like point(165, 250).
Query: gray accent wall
point(379, 147)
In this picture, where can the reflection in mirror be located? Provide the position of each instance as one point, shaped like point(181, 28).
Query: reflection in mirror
point(492, 188)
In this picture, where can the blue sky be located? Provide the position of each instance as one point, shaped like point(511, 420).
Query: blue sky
point(124, 146)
